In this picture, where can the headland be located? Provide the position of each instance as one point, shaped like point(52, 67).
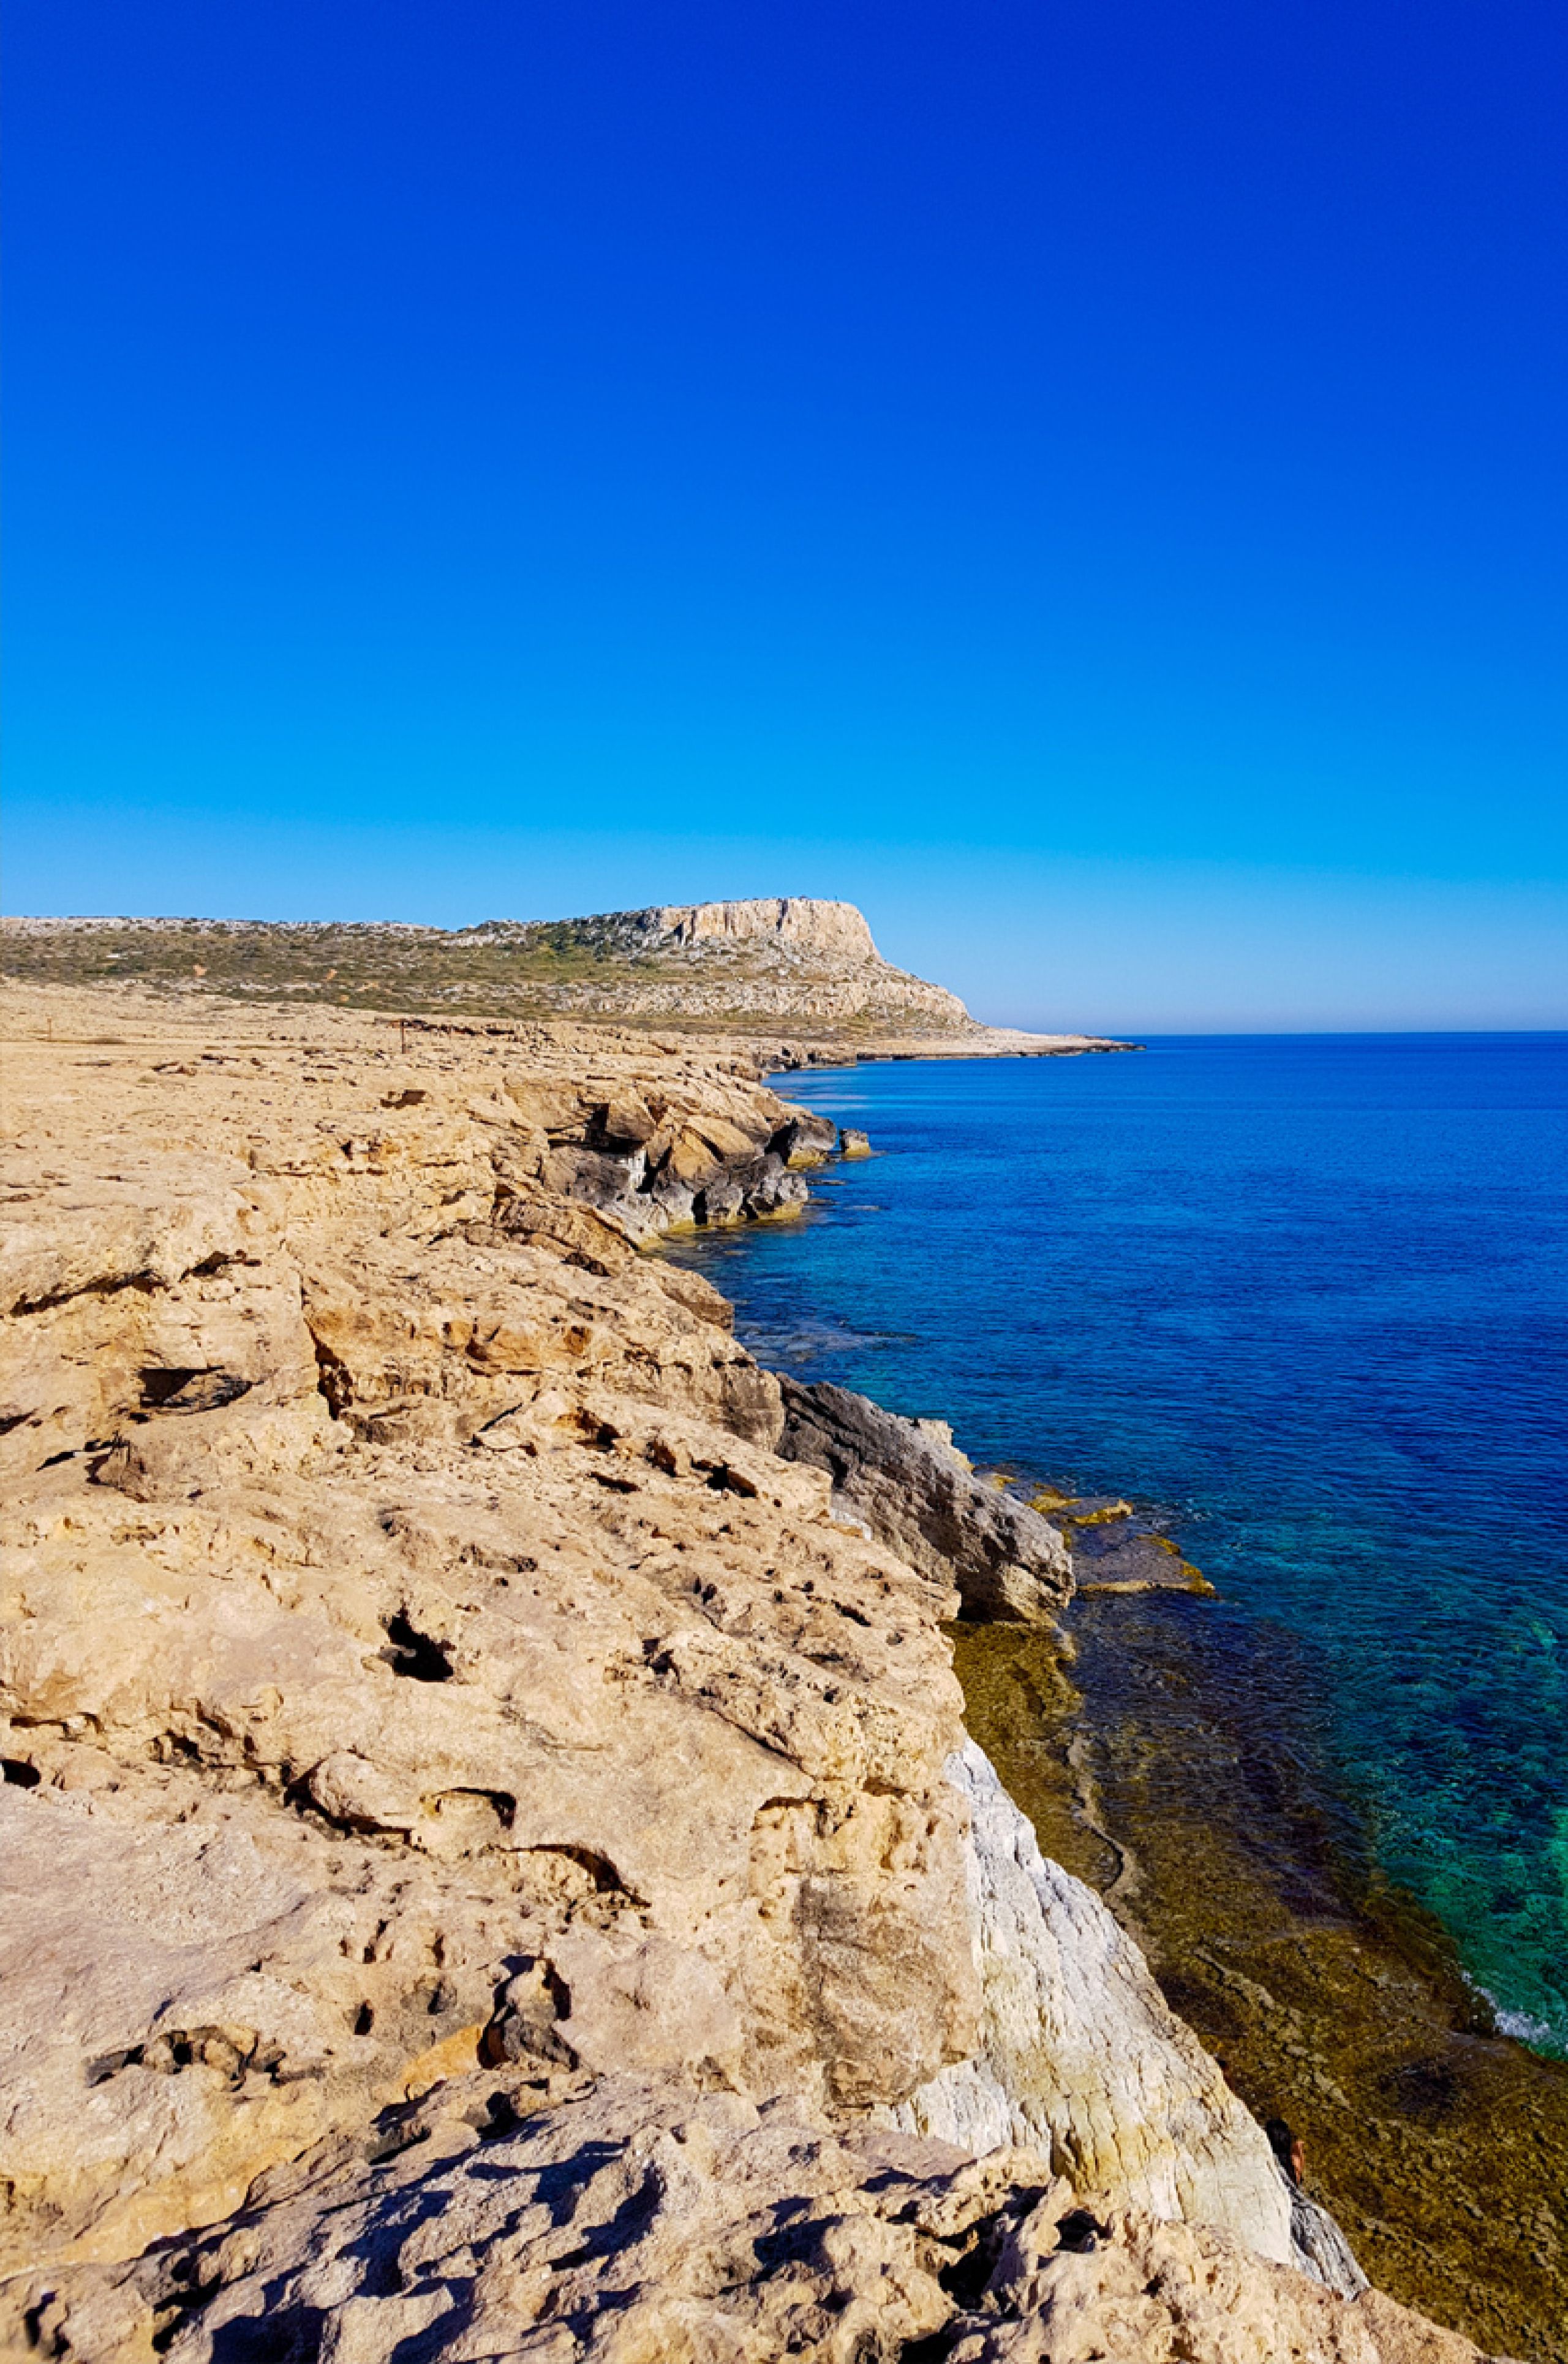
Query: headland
point(805, 974)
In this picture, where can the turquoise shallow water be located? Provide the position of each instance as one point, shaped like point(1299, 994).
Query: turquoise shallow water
point(1308, 1298)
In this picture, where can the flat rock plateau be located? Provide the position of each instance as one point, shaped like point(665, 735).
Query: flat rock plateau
point(495, 1867)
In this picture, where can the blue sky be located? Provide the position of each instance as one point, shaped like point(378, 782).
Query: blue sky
point(1087, 482)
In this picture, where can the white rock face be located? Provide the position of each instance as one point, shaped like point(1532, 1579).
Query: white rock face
point(1080, 2056)
point(838, 928)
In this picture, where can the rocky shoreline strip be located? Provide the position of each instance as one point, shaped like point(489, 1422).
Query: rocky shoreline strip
point(1168, 1758)
point(1168, 1752)
point(495, 1861)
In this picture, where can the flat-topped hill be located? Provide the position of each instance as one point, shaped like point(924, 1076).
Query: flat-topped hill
point(783, 963)
point(801, 923)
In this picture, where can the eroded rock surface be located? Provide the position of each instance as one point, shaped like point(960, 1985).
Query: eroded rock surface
point(483, 1833)
point(643, 2224)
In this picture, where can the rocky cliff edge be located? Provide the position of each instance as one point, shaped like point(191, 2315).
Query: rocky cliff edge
point(495, 1867)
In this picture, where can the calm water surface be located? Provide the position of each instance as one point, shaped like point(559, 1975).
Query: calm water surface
point(1309, 1296)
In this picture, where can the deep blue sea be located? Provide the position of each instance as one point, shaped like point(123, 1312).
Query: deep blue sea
point(1308, 1297)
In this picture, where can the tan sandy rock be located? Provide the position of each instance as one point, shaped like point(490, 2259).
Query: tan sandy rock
point(445, 1579)
point(482, 1833)
point(640, 2223)
point(836, 928)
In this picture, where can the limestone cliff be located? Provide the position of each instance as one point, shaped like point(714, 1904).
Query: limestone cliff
point(493, 1865)
point(837, 930)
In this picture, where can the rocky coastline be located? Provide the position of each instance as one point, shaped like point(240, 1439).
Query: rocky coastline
point(496, 1861)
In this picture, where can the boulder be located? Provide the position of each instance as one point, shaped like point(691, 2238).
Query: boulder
point(806, 1140)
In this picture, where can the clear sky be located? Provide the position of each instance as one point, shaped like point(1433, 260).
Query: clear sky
point(1087, 481)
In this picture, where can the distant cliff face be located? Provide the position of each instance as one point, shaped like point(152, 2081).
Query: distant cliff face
point(837, 930)
point(784, 957)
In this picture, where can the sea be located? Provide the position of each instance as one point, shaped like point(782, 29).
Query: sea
point(1304, 1299)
